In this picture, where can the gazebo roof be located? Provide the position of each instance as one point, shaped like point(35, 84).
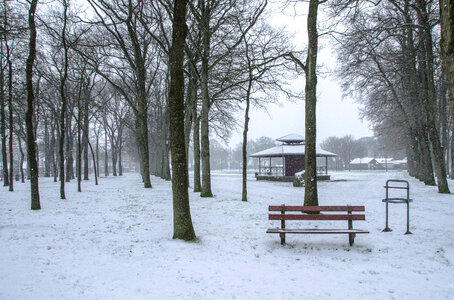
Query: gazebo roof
point(290, 149)
point(291, 138)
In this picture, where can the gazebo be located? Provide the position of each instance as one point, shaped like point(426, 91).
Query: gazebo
point(280, 163)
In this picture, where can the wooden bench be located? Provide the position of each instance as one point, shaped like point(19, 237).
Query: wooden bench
point(315, 213)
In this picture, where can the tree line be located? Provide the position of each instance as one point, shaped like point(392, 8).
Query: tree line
point(102, 73)
point(348, 148)
point(390, 60)
point(156, 76)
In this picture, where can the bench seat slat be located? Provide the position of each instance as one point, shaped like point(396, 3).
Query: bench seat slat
point(316, 231)
point(316, 208)
point(325, 217)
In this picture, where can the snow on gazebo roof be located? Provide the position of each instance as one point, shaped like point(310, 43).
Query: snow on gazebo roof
point(290, 149)
point(291, 138)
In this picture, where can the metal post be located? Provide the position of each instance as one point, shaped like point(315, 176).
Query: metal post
point(387, 229)
point(408, 211)
point(398, 200)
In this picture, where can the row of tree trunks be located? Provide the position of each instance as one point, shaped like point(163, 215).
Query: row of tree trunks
point(438, 155)
point(159, 158)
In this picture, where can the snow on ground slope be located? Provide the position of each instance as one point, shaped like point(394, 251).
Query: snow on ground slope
point(114, 241)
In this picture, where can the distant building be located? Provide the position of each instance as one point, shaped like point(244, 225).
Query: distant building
point(400, 164)
point(280, 163)
point(365, 163)
point(370, 163)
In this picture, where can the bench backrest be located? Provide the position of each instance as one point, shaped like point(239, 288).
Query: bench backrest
point(316, 215)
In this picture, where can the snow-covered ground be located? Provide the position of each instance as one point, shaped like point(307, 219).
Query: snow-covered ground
point(114, 241)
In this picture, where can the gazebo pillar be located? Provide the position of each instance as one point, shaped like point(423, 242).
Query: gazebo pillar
point(271, 171)
point(260, 167)
point(283, 165)
point(326, 165)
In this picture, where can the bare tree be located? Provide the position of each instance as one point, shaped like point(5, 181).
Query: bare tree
point(263, 65)
point(31, 139)
point(218, 41)
point(183, 228)
point(120, 20)
point(310, 70)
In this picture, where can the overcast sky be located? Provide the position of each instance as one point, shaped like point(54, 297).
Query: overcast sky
point(335, 116)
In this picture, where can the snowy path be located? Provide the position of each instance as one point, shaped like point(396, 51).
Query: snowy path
point(114, 241)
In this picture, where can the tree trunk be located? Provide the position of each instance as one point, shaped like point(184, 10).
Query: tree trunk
point(114, 158)
point(120, 164)
point(452, 150)
point(195, 130)
point(69, 150)
point(97, 155)
point(10, 110)
point(22, 158)
point(411, 151)
point(165, 150)
point(142, 140)
point(447, 48)
point(3, 127)
point(85, 135)
point(311, 195)
point(425, 168)
point(157, 157)
point(31, 142)
point(204, 121)
point(95, 163)
point(47, 148)
point(188, 118)
point(196, 148)
point(443, 123)
point(245, 130)
point(183, 228)
point(79, 143)
point(106, 155)
point(63, 107)
point(53, 150)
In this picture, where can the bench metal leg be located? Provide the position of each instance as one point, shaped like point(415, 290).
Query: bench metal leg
point(408, 217)
point(282, 235)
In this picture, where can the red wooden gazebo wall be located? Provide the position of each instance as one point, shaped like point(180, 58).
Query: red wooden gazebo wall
point(293, 164)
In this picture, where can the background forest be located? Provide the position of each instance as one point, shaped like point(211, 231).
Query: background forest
point(101, 81)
